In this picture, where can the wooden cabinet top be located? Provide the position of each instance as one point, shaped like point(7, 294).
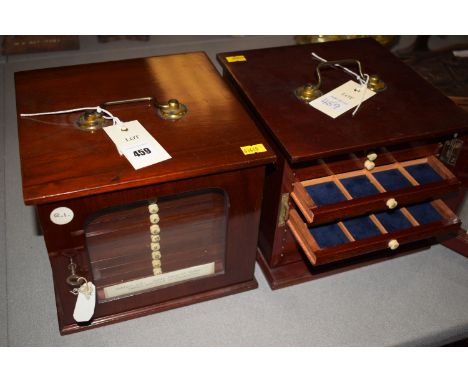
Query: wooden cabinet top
point(59, 161)
point(408, 110)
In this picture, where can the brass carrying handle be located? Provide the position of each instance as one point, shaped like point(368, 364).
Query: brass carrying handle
point(132, 100)
point(309, 92)
point(334, 63)
point(94, 120)
point(171, 110)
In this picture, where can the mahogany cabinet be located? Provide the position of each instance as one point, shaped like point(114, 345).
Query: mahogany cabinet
point(350, 190)
point(176, 232)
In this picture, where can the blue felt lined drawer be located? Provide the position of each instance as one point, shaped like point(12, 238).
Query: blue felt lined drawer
point(423, 173)
point(359, 186)
point(328, 235)
point(361, 227)
point(424, 213)
point(325, 193)
point(392, 180)
point(393, 220)
point(368, 229)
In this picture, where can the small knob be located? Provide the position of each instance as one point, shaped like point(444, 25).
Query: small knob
point(156, 255)
point(155, 238)
point(157, 271)
point(391, 203)
point(372, 156)
point(154, 229)
point(156, 263)
point(154, 218)
point(155, 246)
point(153, 208)
point(393, 244)
point(369, 165)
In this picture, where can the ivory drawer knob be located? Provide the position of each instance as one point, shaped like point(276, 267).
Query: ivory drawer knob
point(391, 203)
point(156, 263)
point(156, 255)
point(157, 271)
point(155, 246)
point(372, 156)
point(153, 208)
point(154, 229)
point(154, 218)
point(369, 165)
point(155, 238)
point(393, 244)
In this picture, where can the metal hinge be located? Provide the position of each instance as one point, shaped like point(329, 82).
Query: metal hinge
point(451, 151)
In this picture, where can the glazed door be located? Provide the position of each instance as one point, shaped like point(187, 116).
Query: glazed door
point(156, 247)
point(156, 243)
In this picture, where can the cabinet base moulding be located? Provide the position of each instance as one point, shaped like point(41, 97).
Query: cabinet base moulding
point(163, 306)
point(298, 272)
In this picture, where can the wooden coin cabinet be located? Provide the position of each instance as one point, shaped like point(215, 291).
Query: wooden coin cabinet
point(355, 189)
point(177, 232)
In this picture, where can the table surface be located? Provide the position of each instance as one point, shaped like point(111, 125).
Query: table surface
point(419, 299)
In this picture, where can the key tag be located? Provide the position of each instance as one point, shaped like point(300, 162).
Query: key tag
point(86, 301)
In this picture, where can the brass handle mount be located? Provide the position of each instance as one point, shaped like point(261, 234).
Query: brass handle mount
point(172, 110)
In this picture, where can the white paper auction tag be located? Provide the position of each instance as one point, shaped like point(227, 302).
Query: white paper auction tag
point(342, 99)
point(138, 146)
point(85, 303)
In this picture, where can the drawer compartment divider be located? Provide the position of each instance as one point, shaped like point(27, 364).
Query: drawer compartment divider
point(360, 235)
point(362, 192)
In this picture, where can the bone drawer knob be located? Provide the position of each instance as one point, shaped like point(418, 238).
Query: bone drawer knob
point(372, 156)
point(393, 244)
point(154, 229)
point(369, 165)
point(391, 203)
point(154, 218)
point(157, 271)
point(156, 263)
point(156, 255)
point(153, 208)
point(155, 238)
point(155, 246)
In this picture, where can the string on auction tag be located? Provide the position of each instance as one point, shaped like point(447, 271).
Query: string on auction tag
point(363, 81)
point(108, 114)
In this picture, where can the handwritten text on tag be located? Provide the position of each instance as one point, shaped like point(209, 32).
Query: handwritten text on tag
point(342, 99)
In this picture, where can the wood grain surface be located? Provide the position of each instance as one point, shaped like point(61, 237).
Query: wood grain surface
point(409, 109)
point(60, 162)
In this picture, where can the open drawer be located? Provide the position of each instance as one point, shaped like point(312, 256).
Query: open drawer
point(364, 191)
point(368, 233)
